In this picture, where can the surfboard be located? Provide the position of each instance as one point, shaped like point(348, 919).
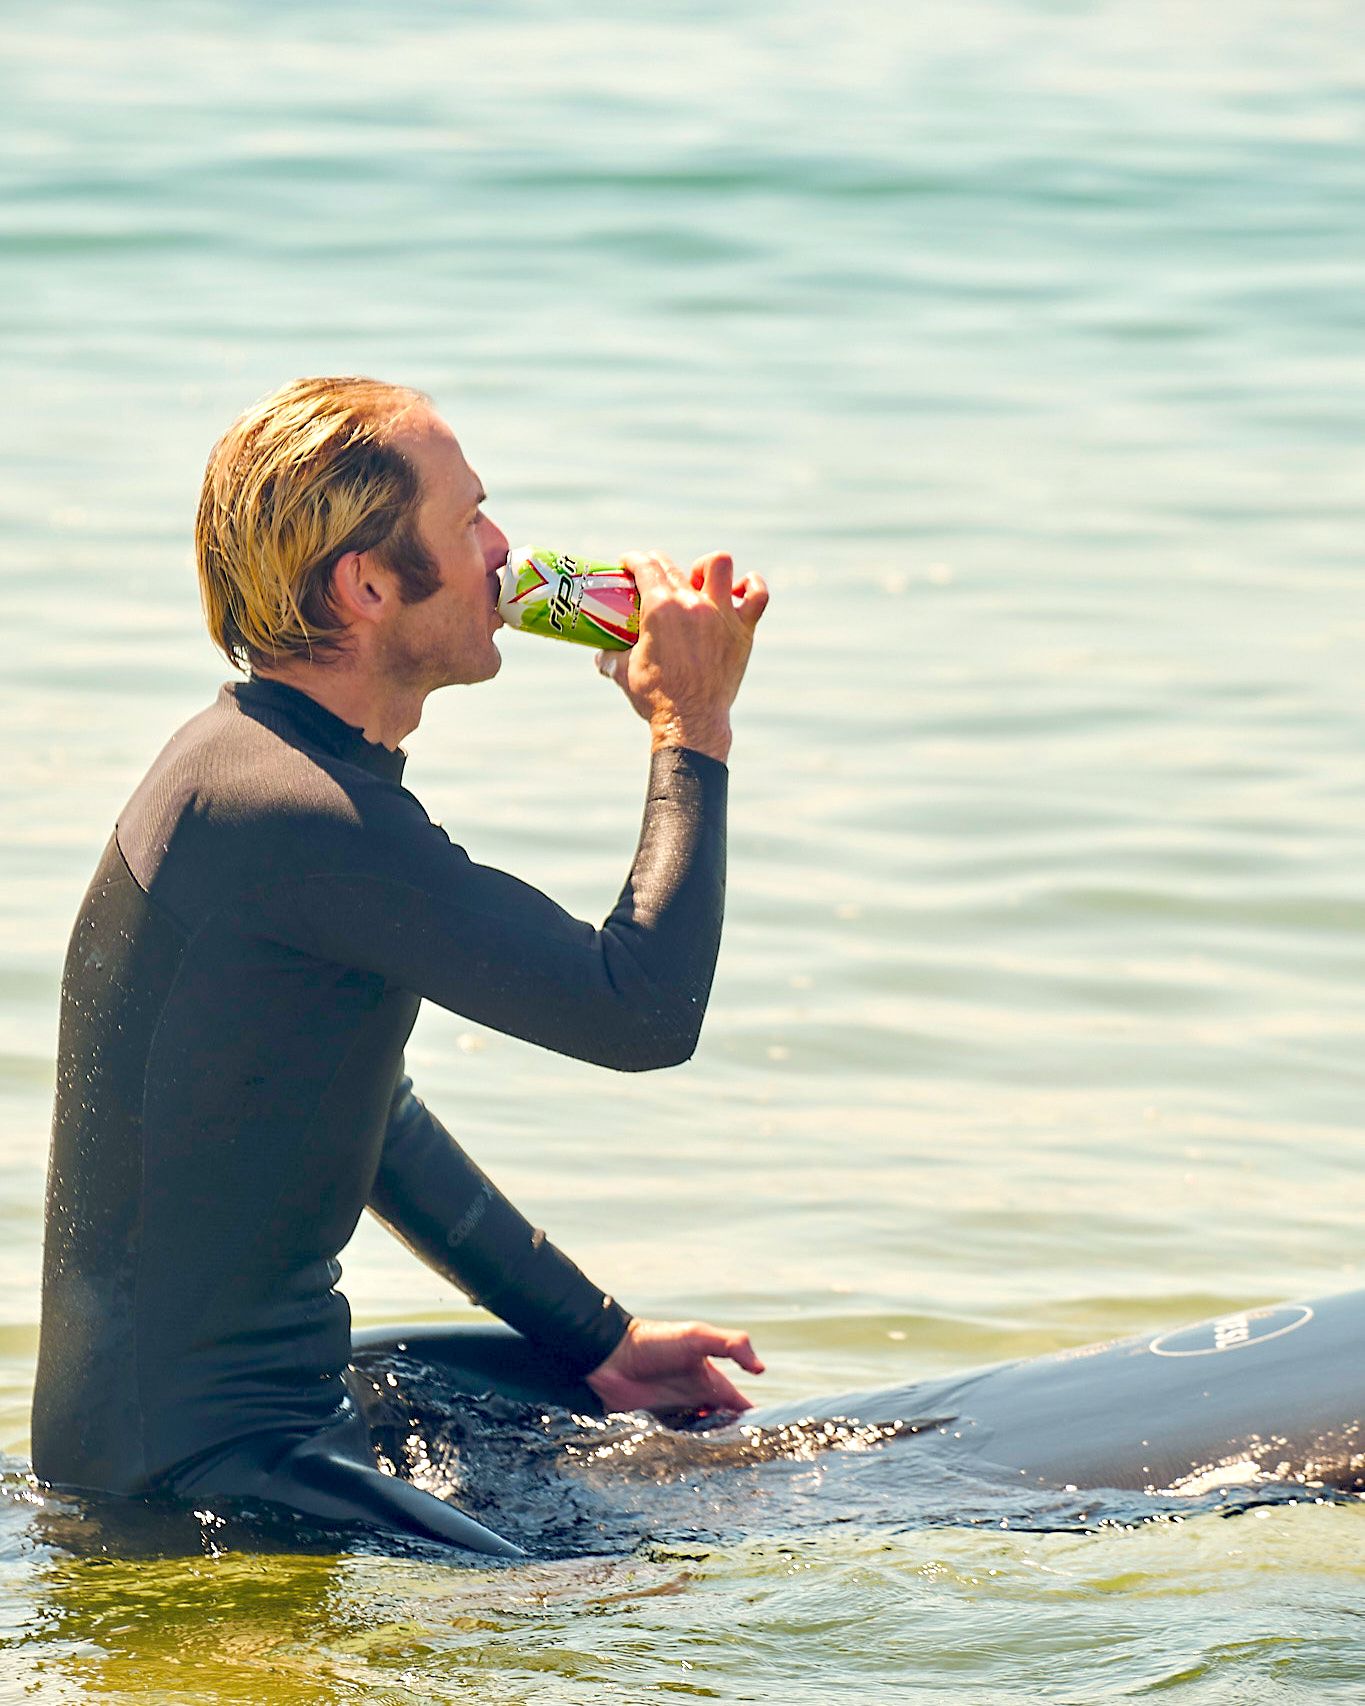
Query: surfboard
point(1273, 1393)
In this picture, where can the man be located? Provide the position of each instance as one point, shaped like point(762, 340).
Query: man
point(252, 953)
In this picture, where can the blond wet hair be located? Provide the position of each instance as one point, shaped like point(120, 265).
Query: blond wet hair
point(305, 475)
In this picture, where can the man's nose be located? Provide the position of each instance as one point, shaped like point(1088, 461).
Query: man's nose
point(494, 544)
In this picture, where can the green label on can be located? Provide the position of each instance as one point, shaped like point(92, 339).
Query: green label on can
point(568, 598)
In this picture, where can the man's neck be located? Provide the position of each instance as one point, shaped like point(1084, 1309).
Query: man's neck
point(383, 712)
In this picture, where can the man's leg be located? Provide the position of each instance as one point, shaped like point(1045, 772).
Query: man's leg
point(331, 1477)
point(477, 1359)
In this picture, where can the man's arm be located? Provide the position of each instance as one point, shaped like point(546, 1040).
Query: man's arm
point(431, 1195)
point(394, 897)
point(443, 1207)
point(397, 898)
point(629, 995)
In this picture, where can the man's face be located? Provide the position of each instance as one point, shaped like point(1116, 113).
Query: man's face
point(448, 638)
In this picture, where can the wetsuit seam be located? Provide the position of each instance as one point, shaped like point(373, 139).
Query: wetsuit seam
point(140, 1243)
point(666, 996)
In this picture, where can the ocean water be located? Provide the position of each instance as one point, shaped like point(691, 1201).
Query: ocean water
point(1020, 345)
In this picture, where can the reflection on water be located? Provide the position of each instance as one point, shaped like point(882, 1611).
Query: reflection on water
point(123, 1600)
point(110, 1624)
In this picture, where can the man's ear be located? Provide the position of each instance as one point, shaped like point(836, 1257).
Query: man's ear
point(360, 590)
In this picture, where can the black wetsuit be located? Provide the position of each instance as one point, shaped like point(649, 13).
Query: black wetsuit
point(245, 970)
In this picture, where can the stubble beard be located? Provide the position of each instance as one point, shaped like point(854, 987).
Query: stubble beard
point(413, 659)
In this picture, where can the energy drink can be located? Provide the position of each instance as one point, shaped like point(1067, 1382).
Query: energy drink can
point(566, 598)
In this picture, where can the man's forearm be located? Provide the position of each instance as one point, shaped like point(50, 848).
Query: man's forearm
point(664, 932)
point(449, 1213)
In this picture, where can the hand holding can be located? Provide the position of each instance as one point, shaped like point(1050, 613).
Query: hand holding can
point(677, 645)
point(695, 635)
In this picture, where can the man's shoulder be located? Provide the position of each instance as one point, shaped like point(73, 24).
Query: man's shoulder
point(226, 763)
point(234, 801)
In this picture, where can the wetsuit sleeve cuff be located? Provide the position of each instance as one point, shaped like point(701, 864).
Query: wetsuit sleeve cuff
point(686, 763)
point(552, 1302)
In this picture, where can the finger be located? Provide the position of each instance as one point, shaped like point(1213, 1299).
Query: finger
point(751, 598)
point(653, 569)
point(718, 571)
point(722, 1393)
point(609, 664)
point(649, 577)
point(740, 1350)
point(669, 567)
point(716, 1341)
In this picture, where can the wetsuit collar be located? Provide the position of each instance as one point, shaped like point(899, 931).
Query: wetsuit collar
point(297, 713)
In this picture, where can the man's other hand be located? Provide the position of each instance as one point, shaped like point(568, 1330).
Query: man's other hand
point(666, 1366)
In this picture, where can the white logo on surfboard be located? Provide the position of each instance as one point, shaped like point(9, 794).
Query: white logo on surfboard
point(1232, 1332)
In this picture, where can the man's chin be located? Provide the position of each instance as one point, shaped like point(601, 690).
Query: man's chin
point(487, 668)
